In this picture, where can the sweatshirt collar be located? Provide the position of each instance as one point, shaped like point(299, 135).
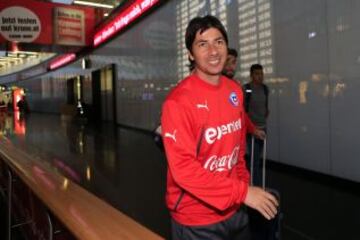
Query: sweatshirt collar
point(207, 85)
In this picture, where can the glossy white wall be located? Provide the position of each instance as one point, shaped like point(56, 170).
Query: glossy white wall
point(344, 64)
point(302, 61)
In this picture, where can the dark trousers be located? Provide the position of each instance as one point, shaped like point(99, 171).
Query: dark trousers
point(258, 163)
point(234, 228)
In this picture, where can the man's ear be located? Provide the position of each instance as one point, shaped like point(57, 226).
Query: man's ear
point(191, 57)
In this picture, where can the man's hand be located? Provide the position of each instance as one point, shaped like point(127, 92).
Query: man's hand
point(262, 201)
point(260, 133)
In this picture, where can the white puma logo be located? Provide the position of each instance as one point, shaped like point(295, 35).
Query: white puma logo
point(203, 106)
point(172, 136)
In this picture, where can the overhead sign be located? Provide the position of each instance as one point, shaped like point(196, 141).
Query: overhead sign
point(69, 26)
point(19, 24)
point(25, 21)
point(125, 17)
point(46, 23)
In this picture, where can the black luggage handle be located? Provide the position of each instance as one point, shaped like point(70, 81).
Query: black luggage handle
point(252, 161)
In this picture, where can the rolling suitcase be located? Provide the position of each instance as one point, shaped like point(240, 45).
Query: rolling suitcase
point(260, 227)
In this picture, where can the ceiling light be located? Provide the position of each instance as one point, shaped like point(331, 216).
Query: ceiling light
point(93, 4)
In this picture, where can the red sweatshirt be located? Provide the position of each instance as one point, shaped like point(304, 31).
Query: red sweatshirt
point(205, 186)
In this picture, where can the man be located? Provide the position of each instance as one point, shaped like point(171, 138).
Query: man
point(230, 64)
point(204, 137)
point(229, 71)
point(256, 106)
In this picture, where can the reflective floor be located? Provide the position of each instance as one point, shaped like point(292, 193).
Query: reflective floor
point(125, 168)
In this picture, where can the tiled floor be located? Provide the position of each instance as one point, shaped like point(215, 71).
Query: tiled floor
point(125, 167)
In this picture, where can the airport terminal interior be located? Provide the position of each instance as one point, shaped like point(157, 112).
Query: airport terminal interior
point(82, 84)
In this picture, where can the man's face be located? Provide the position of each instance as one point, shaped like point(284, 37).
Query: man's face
point(209, 51)
point(230, 66)
point(257, 76)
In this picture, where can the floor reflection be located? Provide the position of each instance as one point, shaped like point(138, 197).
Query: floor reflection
point(121, 166)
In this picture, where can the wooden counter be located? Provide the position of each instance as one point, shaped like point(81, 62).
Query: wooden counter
point(84, 214)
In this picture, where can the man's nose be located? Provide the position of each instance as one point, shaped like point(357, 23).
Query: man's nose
point(213, 49)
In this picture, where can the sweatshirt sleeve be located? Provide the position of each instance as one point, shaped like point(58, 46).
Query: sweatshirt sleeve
point(250, 126)
point(242, 170)
point(180, 143)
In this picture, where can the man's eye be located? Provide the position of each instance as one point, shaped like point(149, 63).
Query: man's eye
point(202, 44)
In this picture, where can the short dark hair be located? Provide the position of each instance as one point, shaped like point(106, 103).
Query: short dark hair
point(232, 52)
point(255, 67)
point(202, 24)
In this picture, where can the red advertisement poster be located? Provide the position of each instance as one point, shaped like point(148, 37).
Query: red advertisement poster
point(45, 23)
point(25, 21)
point(69, 26)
